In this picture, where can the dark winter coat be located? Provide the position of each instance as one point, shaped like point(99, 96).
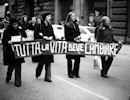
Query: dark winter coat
point(24, 25)
point(105, 35)
point(97, 20)
point(9, 57)
point(31, 27)
point(71, 32)
point(46, 31)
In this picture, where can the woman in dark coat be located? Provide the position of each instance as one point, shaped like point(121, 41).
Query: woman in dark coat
point(105, 35)
point(44, 31)
point(32, 25)
point(72, 34)
point(10, 60)
point(24, 22)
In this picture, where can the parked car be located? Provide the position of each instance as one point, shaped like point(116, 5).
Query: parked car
point(58, 31)
point(86, 32)
point(90, 28)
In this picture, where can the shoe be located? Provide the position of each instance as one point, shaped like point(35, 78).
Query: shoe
point(104, 76)
point(48, 80)
point(70, 76)
point(76, 76)
point(7, 80)
point(17, 85)
point(36, 76)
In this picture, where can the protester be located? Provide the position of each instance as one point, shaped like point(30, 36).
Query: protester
point(105, 35)
point(97, 17)
point(44, 31)
point(10, 60)
point(96, 20)
point(24, 22)
point(5, 22)
point(72, 34)
point(30, 29)
point(32, 25)
point(38, 20)
point(91, 20)
point(3, 26)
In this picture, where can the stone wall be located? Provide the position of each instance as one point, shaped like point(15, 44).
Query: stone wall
point(39, 8)
point(16, 8)
point(119, 18)
point(44, 6)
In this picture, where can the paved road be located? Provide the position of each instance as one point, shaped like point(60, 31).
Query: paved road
point(89, 87)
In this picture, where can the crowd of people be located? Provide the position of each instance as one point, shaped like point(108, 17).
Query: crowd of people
point(20, 28)
point(43, 30)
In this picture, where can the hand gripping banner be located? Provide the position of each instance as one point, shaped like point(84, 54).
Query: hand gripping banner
point(43, 47)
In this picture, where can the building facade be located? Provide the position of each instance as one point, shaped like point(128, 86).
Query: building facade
point(117, 10)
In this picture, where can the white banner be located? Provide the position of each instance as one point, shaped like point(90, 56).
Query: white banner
point(38, 47)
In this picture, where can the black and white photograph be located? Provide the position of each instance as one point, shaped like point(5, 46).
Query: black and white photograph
point(64, 49)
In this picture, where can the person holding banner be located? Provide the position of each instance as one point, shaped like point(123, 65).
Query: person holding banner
point(72, 34)
point(44, 31)
point(32, 25)
point(30, 32)
point(10, 60)
point(105, 35)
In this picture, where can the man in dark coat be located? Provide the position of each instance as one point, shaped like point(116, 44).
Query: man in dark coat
point(9, 57)
point(72, 34)
point(44, 31)
point(105, 35)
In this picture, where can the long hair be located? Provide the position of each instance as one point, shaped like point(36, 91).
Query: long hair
point(68, 18)
point(22, 18)
point(103, 21)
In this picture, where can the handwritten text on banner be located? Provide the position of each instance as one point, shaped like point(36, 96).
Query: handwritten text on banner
point(38, 47)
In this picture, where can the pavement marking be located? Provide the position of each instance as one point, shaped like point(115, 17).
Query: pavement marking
point(81, 88)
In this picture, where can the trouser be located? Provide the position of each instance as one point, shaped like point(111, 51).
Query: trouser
point(4, 54)
point(47, 69)
point(17, 68)
point(75, 69)
point(106, 63)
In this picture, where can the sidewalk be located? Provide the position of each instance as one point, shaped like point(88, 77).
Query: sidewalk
point(116, 87)
point(125, 50)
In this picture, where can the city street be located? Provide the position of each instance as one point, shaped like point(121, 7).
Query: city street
point(90, 86)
